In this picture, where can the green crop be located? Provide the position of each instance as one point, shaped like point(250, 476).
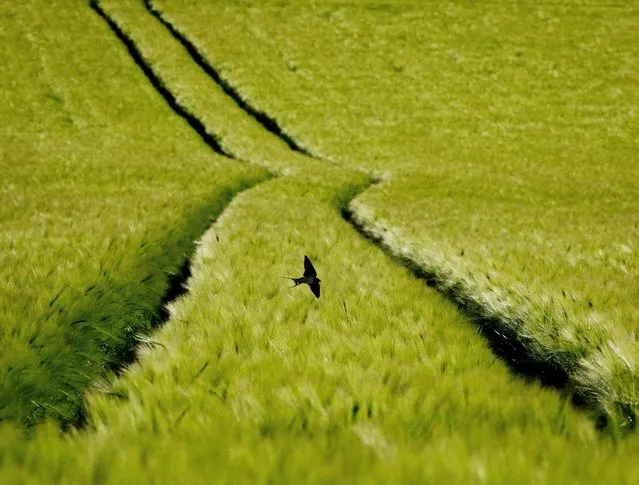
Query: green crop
point(317, 113)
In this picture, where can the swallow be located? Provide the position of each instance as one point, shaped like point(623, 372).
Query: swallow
point(310, 278)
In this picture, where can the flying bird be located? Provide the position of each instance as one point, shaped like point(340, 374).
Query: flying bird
point(310, 278)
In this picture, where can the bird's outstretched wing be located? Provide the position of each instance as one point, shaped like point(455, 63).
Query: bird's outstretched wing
point(308, 268)
point(315, 288)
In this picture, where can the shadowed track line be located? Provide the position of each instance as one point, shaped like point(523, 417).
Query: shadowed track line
point(177, 280)
point(195, 123)
point(503, 340)
point(269, 123)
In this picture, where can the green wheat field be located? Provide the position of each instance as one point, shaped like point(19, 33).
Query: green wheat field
point(464, 176)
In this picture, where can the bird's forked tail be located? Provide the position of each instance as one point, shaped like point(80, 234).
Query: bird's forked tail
point(297, 281)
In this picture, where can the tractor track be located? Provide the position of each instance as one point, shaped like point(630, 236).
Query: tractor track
point(270, 124)
point(137, 56)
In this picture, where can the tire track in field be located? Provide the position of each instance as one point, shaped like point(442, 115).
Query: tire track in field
point(137, 56)
point(504, 340)
point(269, 123)
point(521, 353)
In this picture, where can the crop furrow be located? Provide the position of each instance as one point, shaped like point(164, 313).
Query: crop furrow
point(158, 84)
point(520, 352)
point(269, 123)
point(178, 280)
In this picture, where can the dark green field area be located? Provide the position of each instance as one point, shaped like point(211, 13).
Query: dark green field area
point(464, 177)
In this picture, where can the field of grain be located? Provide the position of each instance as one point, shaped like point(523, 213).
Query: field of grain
point(508, 135)
point(461, 335)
